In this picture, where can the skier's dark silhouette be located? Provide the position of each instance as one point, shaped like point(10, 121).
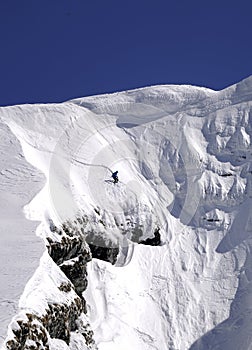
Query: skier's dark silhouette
point(115, 177)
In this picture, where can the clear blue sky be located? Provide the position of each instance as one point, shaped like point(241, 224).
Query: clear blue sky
point(55, 50)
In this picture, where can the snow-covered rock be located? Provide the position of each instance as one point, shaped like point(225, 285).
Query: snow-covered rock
point(184, 159)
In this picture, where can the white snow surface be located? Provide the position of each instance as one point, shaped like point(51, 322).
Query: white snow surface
point(184, 159)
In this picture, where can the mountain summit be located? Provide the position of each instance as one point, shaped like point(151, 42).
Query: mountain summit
point(160, 259)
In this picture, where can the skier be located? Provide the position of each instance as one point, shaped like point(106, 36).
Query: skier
point(115, 177)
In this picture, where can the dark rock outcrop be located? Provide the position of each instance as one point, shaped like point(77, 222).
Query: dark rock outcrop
point(76, 271)
point(155, 241)
point(104, 253)
point(69, 250)
point(29, 335)
point(58, 322)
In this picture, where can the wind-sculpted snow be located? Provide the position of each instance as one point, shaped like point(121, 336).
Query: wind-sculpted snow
point(20, 248)
point(184, 159)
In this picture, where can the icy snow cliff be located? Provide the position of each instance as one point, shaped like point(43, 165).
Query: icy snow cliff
point(184, 159)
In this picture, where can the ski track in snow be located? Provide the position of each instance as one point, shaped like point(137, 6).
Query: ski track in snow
point(184, 159)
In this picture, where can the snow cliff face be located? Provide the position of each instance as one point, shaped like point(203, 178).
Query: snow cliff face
point(184, 159)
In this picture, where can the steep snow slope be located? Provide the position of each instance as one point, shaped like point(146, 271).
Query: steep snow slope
point(184, 160)
point(20, 248)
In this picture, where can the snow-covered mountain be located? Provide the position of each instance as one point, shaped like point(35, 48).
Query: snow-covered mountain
point(160, 260)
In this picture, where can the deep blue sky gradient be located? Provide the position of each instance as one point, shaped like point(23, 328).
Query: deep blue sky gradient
point(55, 50)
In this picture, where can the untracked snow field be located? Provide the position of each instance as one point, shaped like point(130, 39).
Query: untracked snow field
point(21, 249)
point(184, 159)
